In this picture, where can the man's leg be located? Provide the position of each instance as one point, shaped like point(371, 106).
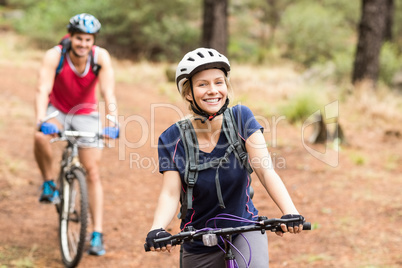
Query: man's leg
point(44, 158)
point(43, 154)
point(90, 158)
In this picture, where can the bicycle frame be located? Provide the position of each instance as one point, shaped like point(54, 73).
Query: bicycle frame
point(230, 259)
point(69, 162)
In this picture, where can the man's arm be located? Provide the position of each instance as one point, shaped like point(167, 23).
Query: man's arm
point(47, 73)
point(107, 82)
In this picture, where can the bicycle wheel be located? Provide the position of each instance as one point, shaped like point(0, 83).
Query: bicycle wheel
point(73, 217)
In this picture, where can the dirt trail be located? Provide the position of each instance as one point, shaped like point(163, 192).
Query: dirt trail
point(357, 205)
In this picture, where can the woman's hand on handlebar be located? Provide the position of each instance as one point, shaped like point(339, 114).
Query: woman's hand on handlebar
point(294, 226)
point(158, 233)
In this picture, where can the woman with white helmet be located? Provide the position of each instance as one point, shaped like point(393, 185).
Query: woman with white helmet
point(202, 78)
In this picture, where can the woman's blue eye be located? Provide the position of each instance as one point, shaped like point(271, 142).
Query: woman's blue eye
point(220, 82)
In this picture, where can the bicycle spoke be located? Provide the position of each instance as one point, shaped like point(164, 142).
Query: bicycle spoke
point(73, 239)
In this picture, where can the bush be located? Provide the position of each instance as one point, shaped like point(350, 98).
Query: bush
point(312, 33)
point(343, 61)
point(156, 31)
point(300, 106)
point(390, 62)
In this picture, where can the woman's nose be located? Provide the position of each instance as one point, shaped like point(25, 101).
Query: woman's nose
point(212, 88)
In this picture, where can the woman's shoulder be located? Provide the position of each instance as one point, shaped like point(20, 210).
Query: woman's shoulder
point(173, 129)
point(242, 110)
point(171, 134)
point(246, 120)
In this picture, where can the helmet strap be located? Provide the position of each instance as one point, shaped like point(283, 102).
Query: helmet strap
point(204, 115)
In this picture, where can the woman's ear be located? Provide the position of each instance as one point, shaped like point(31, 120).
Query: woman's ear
point(189, 97)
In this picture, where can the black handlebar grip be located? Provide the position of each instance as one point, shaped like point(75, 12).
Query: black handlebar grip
point(173, 242)
point(307, 225)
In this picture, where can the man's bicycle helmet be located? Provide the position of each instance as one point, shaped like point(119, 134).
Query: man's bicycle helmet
point(198, 60)
point(84, 23)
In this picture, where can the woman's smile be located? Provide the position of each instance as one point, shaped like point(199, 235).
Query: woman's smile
point(212, 100)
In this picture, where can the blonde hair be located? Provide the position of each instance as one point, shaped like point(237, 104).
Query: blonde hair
point(187, 91)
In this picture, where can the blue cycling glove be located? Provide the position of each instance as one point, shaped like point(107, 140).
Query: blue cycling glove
point(111, 132)
point(49, 128)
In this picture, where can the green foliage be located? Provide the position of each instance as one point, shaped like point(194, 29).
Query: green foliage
point(300, 106)
point(358, 159)
point(349, 10)
point(397, 26)
point(154, 30)
point(252, 32)
point(343, 61)
point(308, 32)
point(310, 37)
point(390, 62)
point(45, 21)
point(17, 257)
point(149, 29)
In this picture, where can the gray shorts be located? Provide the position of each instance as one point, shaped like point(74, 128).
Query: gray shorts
point(259, 253)
point(86, 123)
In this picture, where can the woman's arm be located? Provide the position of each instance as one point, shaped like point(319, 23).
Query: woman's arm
point(168, 200)
point(165, 210)
point(263, 167)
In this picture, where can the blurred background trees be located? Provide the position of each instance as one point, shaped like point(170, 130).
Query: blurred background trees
point(375, 27)
point(215, 25)
point(311, 34)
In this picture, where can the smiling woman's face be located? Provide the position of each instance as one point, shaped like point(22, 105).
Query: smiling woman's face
point(210, 90)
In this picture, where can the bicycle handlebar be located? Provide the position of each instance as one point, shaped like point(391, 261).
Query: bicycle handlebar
point(273, 225)
point(64, 135)
point(78, 134)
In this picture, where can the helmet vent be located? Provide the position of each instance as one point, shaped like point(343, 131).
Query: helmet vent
point(183, 70)
point(210, 53)
point(200, 54)
point(190, 59)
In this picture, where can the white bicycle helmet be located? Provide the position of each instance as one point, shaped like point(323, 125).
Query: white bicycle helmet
point(199, 60)
point(84, 23)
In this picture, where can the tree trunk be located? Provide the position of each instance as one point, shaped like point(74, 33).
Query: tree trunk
point(215, 25)
point(389, 20)
point(371, 35)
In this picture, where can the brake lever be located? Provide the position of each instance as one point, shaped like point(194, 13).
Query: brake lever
point(50, 116)
point(112, 119)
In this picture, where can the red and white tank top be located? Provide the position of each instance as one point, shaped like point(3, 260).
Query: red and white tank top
point(73, 92)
